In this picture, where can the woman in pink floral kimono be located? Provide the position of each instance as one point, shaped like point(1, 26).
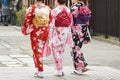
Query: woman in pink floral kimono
point(80, 33)
point(36, 24)
point(60, 33)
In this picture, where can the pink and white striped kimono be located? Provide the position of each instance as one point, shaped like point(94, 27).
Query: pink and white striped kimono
point(59, 37)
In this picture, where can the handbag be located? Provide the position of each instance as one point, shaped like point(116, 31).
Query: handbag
point(47, 50)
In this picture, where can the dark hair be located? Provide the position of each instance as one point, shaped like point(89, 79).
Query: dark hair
point(61, 1)
point(39, 0)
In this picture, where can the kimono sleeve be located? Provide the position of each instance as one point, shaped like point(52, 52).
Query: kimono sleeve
point(51, 23)
point(51, 27)
point(50, 17)
point(27, 26)
point(69, 40)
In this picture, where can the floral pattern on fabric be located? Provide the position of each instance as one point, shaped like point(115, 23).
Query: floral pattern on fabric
point(80, 33)
point(59, 37)
point(38, 35)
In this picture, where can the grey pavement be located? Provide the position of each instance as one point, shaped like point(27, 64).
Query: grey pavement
point(16, 61)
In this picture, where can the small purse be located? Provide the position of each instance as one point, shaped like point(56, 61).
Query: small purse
point(47, 50)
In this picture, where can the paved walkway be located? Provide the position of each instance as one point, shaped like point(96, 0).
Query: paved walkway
point(26, 73)
point(16, 62)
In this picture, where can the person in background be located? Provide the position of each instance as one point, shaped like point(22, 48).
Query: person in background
point(60, 33)
point(80, 34)
point(6, 11)
point(0, 15)
point(36, 23)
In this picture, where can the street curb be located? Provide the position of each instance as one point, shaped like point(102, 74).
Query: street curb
point(110, 41)
point(17, 27)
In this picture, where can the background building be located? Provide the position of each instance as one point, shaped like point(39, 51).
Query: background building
point(24, 4)
point(50, 3)
point(27, 3)
point(0, 4)
point(106, 18)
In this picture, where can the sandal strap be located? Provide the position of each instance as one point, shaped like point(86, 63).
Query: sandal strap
point(77, 72)
point(38, 76)
point(60, 75)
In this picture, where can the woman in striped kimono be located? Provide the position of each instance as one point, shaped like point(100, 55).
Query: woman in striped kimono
point(80, 33)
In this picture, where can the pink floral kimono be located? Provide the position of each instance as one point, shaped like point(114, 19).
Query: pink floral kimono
point(59, 37)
